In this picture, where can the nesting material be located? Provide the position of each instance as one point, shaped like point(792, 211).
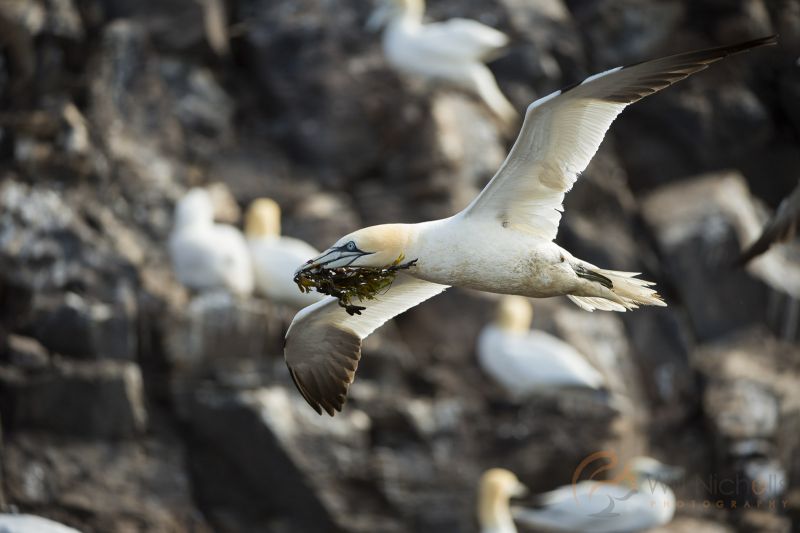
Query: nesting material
point(349, 283)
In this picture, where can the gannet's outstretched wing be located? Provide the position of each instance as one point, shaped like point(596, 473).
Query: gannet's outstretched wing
point(562, 132)
point(781, 227)
point(461, 39)
point(323, 344)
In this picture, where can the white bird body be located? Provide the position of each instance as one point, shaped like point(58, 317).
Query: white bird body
point(275, 257)
point(205, 255)
point(502, 242)
point(533, 362)
point(598, 507)
point(480, 254)
point(452, 51)
point(527, 362)
point(275, 260)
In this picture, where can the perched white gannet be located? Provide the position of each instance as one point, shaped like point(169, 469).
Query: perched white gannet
point(453, 51)
point(27, 523)
point(497, 487)
point(780, 228)
point(206, 255)
point(502, 242)
point(275, 258)
point(525, 361)
point(640, 501)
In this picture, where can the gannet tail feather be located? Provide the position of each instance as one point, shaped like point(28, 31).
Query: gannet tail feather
point(625, 293)
point(590, 303)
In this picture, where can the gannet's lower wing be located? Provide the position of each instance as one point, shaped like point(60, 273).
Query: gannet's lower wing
point(323, 344)
point(562, 132)
point(781, 227)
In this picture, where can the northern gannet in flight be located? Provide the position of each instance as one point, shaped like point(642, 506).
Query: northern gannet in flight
point(639, 501)
point(524, 361)
point(205, 255)
point(497, 487)
point(275, 257)
point(780, 228)
point(502, 242)
point(453, 51)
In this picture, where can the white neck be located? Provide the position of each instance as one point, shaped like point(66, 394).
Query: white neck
point(412, 11)
point(495, 517)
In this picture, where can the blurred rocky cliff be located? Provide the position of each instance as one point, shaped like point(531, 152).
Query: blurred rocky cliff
point(128, 404)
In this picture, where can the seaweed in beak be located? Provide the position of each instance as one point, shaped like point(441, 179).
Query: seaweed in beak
point(349, 283)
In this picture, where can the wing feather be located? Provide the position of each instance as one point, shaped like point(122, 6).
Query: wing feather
point(323, 344)
point(562, 132)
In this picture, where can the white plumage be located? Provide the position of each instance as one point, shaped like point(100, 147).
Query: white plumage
point(208, 256)
point(275, 257)
point(503, 241)
point(26, 523)
point(526, 362)
point(453, 51)
point(606, 506)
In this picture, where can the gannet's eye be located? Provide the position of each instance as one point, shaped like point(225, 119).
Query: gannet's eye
point(350, 246)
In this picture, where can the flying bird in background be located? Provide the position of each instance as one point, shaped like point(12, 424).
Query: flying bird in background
point(502, 242)
point(780, 228)
point(453, 51)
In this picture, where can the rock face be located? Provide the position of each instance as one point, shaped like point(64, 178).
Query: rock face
point(698, 226)
point(98, 486)
point(128, 404)
point(102, 400)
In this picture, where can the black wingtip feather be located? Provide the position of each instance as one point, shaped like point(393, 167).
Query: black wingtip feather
point(719, 52)
point(314, 405)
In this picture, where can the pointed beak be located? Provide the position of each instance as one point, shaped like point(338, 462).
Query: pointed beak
point(520, 491)
point(331, 258)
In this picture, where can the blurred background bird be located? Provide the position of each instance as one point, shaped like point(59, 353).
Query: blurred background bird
point(781, 227)
point(276, 257)
point(205, 255)
point(497, 487)
point(453, 51)
point(636, 500)
point(527, 362)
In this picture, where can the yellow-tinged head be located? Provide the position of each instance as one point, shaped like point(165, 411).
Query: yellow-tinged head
point(263, 218)
point(373, 247)
point(389, 10)
point(514, 314)
point(497, 487)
